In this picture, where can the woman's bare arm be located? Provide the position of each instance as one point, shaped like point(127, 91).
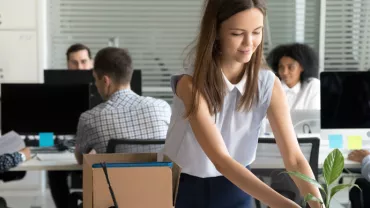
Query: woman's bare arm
point(282, 127)
point(210, 140)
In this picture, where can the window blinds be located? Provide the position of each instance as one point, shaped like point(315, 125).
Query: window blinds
point(293, 21)
point(347, 35)
point(156, 33)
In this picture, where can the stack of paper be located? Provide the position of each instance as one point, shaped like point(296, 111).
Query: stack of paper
point(11, 142)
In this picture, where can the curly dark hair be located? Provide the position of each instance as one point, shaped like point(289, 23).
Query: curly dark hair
point(301, 53)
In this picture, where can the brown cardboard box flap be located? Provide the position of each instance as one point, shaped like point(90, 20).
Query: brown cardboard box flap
point(155, 179)
point(176, 171)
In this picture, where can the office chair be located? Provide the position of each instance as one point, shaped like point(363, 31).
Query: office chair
point(135, 145)
point(3, 203)
point(126, 146)
point(310, 148)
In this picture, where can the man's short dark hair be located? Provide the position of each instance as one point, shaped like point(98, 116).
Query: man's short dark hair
point(302, 53)
point(115, 63)
point(77, 47)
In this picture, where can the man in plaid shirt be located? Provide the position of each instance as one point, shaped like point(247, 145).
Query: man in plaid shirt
point(124, 115)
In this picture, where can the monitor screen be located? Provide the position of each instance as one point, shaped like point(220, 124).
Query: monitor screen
point(70, 77)
point(64, 76)
point(30, 109)
point(136, 82)
point(345, 100)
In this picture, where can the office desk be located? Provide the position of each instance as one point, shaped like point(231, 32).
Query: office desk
point(55, 161)
point(270, 157)
point(277, 163)
point(43, 162)
point(66, 161)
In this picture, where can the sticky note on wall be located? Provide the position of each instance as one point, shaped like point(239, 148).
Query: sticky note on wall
point(46, 139)
point(354, 142)
point(336, 141)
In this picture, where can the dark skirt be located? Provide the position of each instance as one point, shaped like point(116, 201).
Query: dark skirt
point(214, 192)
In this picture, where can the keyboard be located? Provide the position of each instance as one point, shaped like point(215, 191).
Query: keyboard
point(44, 150)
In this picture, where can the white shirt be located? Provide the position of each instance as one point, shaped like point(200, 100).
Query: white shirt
point(239, 130)
point(304, 96)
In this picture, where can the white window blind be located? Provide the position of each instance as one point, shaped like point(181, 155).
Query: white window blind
point(292, 21)
point(156, 33)
point(347, 35)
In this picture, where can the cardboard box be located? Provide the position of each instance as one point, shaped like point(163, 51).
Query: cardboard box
point(134, 187)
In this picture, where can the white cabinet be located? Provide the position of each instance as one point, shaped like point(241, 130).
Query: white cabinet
point(18, 14)
point(18, 57)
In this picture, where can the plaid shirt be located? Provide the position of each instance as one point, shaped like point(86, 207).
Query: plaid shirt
point(8, 161)
point(125, 115)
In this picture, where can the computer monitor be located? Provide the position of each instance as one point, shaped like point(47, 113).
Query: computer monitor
point(304, 122)
point(64, 76)
point(345, 106)
point(30, 109)
point(71, 77)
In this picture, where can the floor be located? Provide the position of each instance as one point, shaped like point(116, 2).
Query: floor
point(31, 199)
point(28, 199)
point(340, 200)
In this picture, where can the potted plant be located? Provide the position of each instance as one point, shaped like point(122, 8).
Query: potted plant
point(333, 168)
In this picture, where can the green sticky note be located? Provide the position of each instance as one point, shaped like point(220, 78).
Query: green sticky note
point(354, 142)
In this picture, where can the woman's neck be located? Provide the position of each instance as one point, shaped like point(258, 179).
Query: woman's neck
point(234, 72)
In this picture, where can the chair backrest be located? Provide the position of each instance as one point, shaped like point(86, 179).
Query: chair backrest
point(309, 146)
point(135, 145)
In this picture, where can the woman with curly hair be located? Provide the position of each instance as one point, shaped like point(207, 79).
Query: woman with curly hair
point(297, 66)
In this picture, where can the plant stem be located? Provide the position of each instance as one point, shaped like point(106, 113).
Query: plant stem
point(327, 205)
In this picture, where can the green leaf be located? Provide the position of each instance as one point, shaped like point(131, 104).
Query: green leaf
point(305, 178)
point(333, 166)
point(340, 187)
point(310, 197)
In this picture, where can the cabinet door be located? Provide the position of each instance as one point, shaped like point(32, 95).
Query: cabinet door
point(18, 14)
point(18, 57)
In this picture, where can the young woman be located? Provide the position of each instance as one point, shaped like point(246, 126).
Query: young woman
point(218, 109)
point(297, 66)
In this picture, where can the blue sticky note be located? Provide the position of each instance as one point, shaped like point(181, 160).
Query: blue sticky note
point(46, 139)
point(335, 141)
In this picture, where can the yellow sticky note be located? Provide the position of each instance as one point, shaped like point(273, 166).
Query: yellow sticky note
point(354, 142)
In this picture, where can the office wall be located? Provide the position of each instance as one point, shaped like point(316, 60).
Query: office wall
point(22, 55)
point(22, 40)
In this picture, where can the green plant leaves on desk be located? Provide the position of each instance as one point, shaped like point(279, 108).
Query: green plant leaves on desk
point(333, 166)
point(332, 170)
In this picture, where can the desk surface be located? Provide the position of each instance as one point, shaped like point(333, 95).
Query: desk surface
point(270, 158)
point(273, 163)
point(54, 161)
point(66, 161)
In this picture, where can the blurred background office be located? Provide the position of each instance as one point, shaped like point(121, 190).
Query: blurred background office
point(36, 36)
